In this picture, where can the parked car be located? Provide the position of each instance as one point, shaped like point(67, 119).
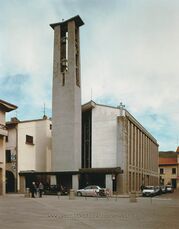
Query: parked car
point(169, 188)
point(91, 190)
point(149, 191)
point(55, 190)
point(163, 189)
point(158, 190)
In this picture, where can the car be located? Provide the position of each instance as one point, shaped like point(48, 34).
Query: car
point(149, 191)
point(91, 190)
point(169, 188)
point(55, 190)
point(158, 190)
point(163, 189)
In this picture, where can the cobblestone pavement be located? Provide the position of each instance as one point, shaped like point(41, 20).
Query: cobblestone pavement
point(17, 212)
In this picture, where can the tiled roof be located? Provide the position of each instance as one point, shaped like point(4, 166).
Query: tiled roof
point(167, 161)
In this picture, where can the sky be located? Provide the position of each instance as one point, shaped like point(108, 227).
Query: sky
point(129, 54)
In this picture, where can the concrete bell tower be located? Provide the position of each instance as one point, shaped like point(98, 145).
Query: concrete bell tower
point(66, 96)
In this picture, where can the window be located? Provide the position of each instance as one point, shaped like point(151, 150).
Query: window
point(29, 140)
point(161, 171)
point(6, 138)
point(8, 156)
point(50, 126)
point(173, 170)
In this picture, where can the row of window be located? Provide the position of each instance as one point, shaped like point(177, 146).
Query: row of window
point(162, 171)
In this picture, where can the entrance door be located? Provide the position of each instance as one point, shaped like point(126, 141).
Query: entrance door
point(10, 182)
point(174, 183)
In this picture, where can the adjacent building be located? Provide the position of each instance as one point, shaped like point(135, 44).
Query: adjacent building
point(28, 150)
point(4, 107)
point(169, 168)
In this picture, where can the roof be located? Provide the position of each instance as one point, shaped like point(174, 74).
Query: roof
point(15, 120)
point(88, 106)
point(77, 19)
point(5, 106)
point(167, 161)
point(167, 154)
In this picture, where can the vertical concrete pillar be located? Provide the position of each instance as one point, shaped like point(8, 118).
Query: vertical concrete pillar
point(53, 180)
point(109, 182)
point(22, 184)
point(75, 182)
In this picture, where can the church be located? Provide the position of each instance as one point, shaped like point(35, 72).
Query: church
point(91, 144)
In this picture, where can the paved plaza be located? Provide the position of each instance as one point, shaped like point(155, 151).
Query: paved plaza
point(18, 212)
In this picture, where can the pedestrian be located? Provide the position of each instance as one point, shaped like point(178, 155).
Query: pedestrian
point(41, 188)
point(33, 189)
point(142, 187)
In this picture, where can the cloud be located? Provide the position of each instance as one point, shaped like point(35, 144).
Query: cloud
point(129, 53)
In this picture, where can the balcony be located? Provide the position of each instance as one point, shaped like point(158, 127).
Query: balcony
point(3, 130)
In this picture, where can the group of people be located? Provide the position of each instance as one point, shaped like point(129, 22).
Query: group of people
point(37, 189)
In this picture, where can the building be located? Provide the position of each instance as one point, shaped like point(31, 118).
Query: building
point(168, 168)
point(66, 99)
point(92, 144)
point(117, 152)
point(116, 145)
point(4, 107)
point(28, 149)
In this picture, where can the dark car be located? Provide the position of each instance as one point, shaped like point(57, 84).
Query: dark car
point(55, 190)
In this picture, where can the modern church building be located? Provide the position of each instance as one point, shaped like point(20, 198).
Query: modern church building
point(116, 145)
point(114, 151)
point(92, 144)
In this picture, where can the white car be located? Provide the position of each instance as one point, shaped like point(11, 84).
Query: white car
point(169, 188)
point(91, 190)
point(149, 191)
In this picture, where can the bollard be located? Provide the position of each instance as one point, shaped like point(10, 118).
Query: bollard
point(72, 194)
point(58, 194)
point(133, 198)
point(27, 194)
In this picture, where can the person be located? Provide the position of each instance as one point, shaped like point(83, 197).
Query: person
point(142, 187)
point(41, 187)
point(33, 189)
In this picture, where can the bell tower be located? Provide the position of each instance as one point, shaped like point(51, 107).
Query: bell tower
point(66, 96)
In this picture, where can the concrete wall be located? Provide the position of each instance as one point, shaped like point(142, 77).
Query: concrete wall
point(66, 107)
point(26, 152)
point(34, 156)
point(2, 117)
point(43, 145)
point(104, 140)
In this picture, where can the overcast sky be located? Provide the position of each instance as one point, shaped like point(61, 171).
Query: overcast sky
point(129, 54)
